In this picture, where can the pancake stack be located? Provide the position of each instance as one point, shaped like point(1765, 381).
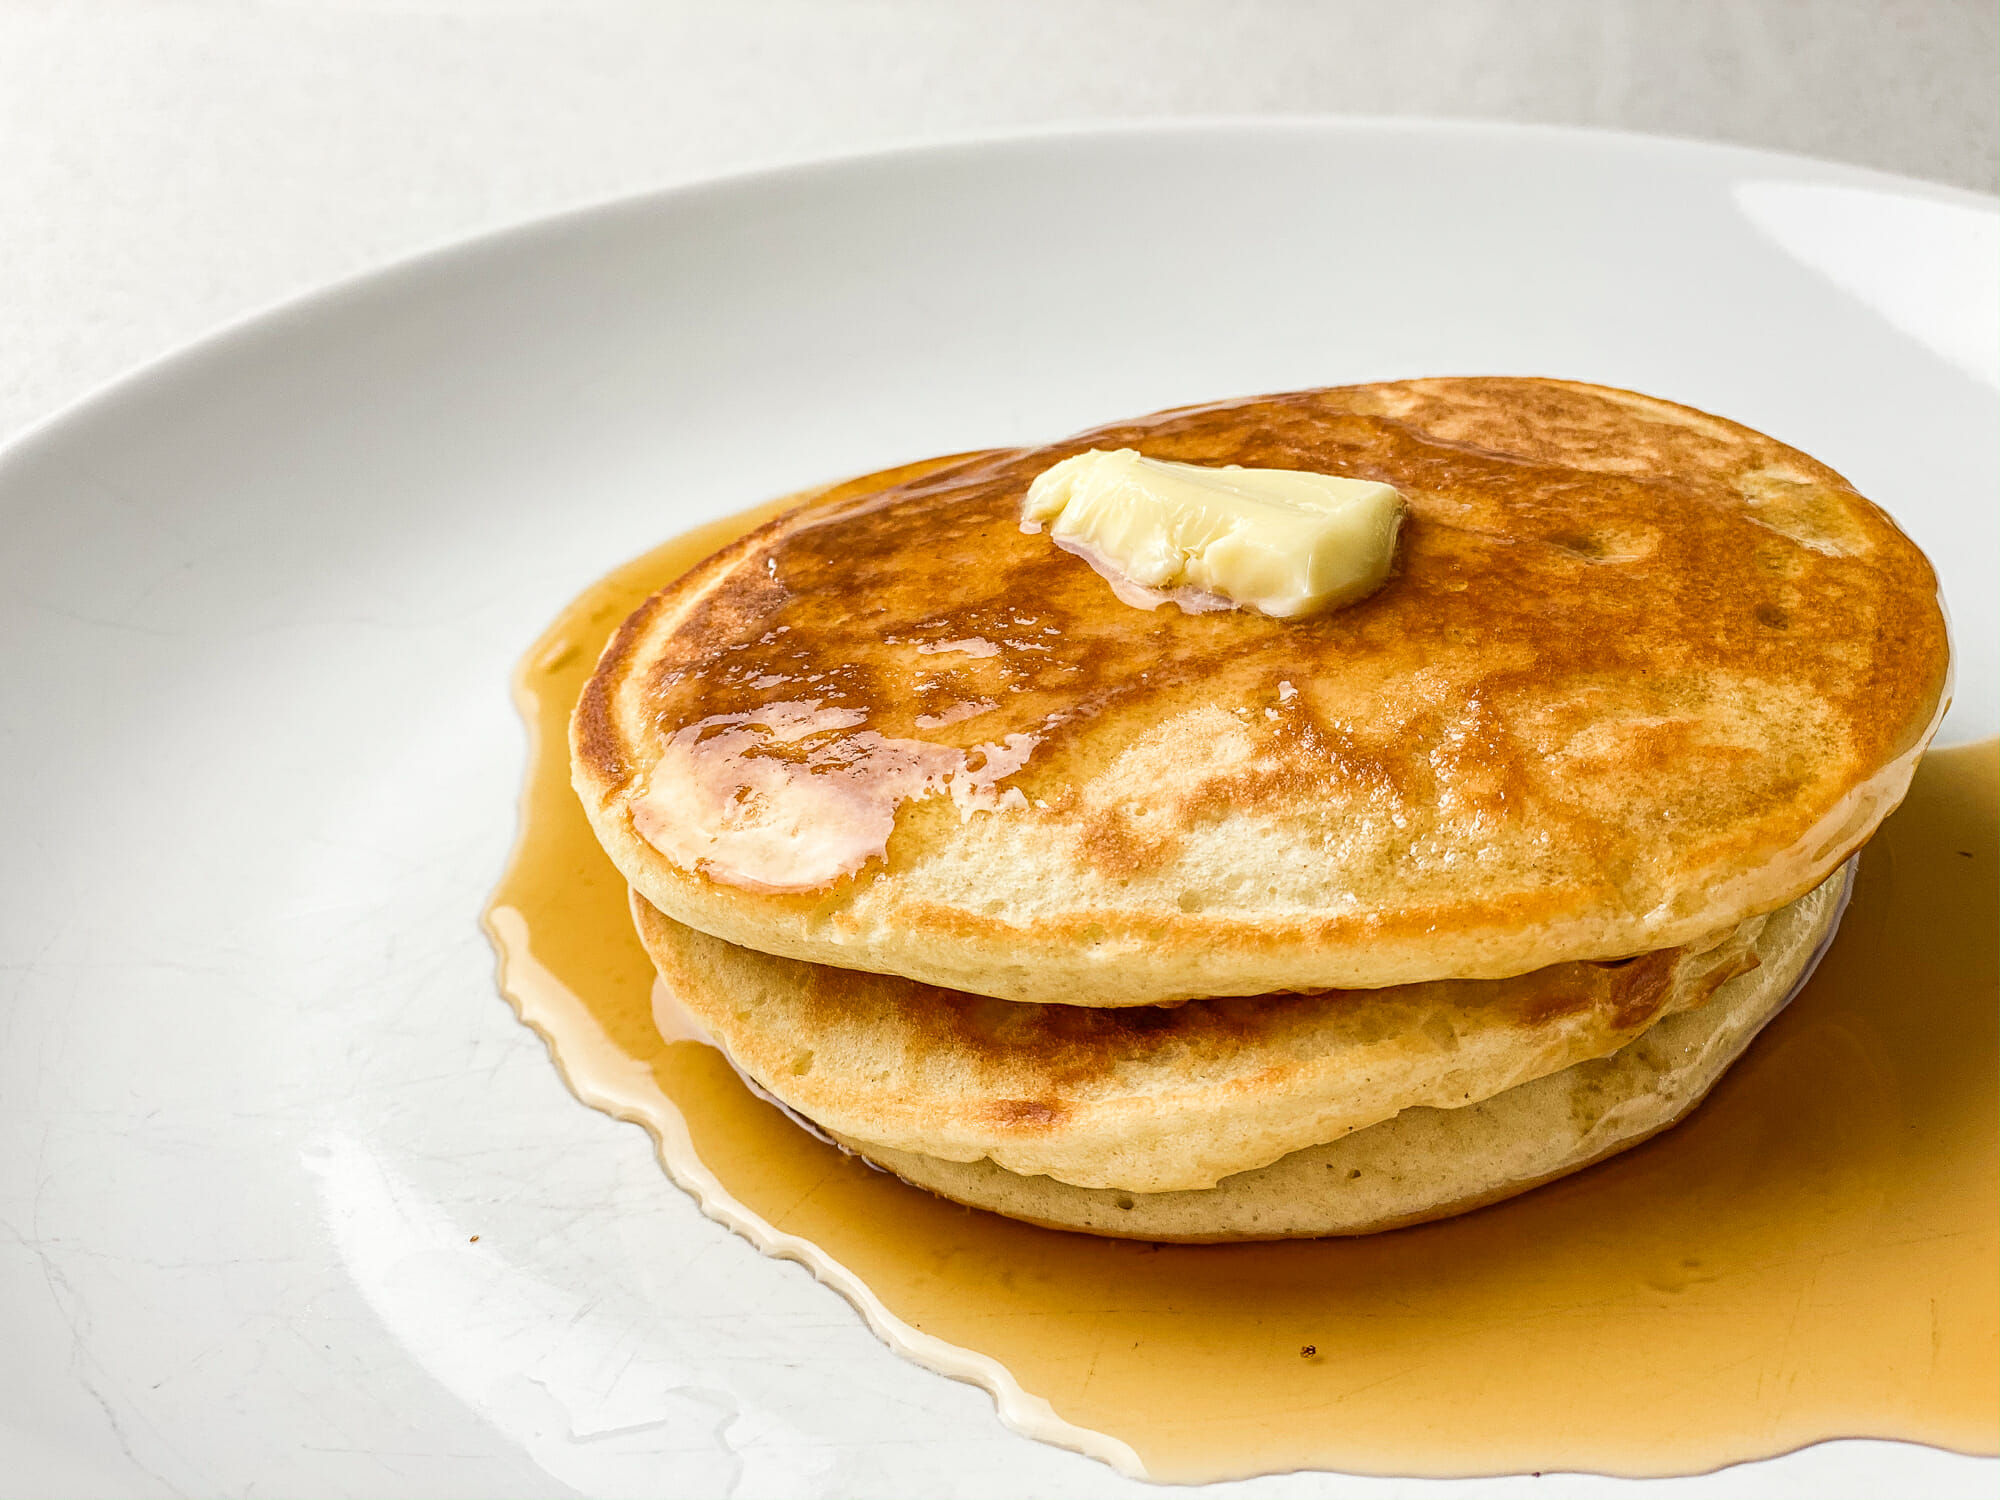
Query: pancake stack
point(1217, 926)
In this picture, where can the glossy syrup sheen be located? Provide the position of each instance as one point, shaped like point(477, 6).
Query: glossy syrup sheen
point(1607, 690)
point(1814, 1254)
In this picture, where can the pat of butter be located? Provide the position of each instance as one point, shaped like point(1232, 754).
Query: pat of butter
point(1281, 541)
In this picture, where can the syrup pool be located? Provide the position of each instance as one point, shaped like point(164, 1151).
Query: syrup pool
point(1814, 1253)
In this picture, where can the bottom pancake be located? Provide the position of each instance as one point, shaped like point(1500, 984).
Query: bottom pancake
point(1428, 1163)
point(1148, 1099)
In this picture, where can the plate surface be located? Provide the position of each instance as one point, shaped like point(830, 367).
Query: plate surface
point(288, 1201)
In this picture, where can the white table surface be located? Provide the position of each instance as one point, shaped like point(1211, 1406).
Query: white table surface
point(170, 167)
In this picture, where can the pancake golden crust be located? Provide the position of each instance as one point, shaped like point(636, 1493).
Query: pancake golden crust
point(1641, 672)
point(1152, 1099)
point(1431, 1163)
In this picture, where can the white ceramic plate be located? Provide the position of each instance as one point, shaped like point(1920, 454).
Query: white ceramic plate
point(257, 1091)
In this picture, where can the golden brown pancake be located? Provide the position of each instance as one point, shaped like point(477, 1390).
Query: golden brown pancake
point(1152, 1099)
point(1429, 1163)
point(888, 1070)
point(1640, 673)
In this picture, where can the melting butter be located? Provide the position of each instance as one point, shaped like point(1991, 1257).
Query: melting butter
point(1284, 542)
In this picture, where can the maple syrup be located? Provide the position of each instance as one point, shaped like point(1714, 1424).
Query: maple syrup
point(1814, 1253)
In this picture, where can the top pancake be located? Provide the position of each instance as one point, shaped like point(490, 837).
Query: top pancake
point(1640, 673)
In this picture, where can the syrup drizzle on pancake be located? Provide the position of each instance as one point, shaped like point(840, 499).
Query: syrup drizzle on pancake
point(1640, 672)
point(1811, 1256)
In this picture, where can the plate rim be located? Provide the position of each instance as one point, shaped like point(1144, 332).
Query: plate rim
point(290, 309)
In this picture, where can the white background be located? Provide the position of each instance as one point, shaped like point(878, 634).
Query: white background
point(172, 164)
